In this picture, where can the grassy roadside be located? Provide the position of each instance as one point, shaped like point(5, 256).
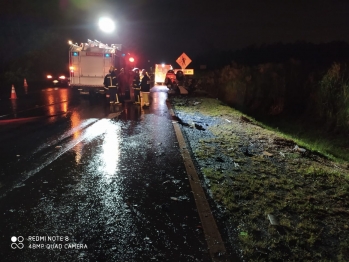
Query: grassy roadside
point(287, 203)
point(311, 135)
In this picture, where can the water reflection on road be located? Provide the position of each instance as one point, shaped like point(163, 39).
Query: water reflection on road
point(49, 102)
point(111, 178)
point(56, 100)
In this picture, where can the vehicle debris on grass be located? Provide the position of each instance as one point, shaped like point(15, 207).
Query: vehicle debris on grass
point(279, 199)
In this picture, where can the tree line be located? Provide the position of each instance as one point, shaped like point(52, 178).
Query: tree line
point(299, 79)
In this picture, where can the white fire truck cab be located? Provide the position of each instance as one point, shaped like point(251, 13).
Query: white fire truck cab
point(90, 62)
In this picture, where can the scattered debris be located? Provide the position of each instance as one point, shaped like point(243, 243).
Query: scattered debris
point(18, 155)
point(228, 120)
point(181, 198)
point(299, 149)
point(199, 127)
point(273, 220)
point(174, 198)
point(196, 103)
point(147, 239)
point(58, 146)
point(244, 197)
point(265, 153)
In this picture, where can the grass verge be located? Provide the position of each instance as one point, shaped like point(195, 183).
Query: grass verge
point(287, 203)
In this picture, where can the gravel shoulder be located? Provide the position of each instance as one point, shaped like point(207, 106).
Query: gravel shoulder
point(278, 201)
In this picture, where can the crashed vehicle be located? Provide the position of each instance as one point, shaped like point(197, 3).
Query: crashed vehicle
point(180, 77)
point(171, 82)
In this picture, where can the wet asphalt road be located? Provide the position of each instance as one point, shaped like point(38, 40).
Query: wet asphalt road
point(83, 181)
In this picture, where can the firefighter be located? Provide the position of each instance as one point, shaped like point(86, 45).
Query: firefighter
point(122, 81)
point(145, 88)
point(111, 84)
point(136, 86)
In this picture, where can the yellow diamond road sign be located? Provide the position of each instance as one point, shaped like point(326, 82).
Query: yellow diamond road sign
point(183, 60)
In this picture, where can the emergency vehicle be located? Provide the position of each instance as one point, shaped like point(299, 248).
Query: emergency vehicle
point(90, 62)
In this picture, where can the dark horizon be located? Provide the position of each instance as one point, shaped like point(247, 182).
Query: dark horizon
point(160, 32)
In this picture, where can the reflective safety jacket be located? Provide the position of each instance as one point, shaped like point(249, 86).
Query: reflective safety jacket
point(110, 80)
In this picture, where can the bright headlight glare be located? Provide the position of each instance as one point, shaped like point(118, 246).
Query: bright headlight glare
point(106, 24)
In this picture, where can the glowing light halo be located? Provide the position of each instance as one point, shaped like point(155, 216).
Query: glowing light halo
point(106, 24)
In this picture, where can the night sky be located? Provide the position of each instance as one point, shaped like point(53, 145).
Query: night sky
point(160, 30)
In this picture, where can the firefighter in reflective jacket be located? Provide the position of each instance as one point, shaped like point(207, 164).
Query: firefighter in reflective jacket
point(111, 84)
point(135, 85)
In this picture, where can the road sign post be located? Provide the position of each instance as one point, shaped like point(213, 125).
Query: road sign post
point(183, 61)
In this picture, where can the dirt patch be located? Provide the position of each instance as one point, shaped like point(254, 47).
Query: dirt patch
point(283, 201)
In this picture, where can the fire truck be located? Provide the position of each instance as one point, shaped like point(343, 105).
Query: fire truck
point(90, 62)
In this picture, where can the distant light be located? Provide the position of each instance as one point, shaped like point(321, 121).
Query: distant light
point(107, 55)
point(75, 53)
point(163, 65)
point(70, 42)
point(62, 77)
point(106, 24)
point(131, 59)
point(49, 76)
